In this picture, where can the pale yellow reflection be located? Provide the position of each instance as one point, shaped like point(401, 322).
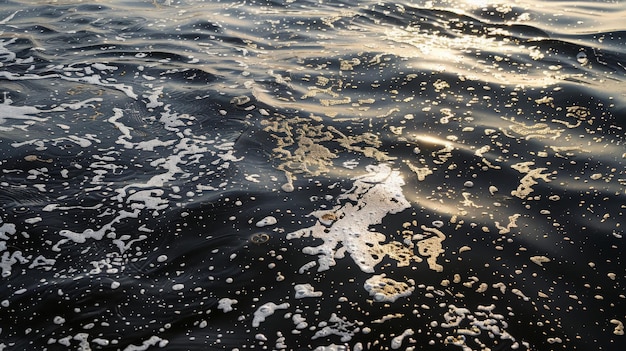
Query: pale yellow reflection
point(431, 139)
point(515, 64)
point(433, 205)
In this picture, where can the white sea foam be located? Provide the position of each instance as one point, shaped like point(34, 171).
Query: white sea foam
point(375, 195)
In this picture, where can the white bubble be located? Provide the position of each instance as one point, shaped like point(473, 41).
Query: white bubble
point(287, 187)
point(438, 224)
point(269, 220)
point(265, 311)
point(226, 304)
point(306, 290)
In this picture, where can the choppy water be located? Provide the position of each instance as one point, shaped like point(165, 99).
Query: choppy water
point(311, 175)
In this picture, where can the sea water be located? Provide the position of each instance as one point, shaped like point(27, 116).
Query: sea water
point(312, 175)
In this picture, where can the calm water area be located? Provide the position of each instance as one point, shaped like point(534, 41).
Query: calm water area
point(312, 175)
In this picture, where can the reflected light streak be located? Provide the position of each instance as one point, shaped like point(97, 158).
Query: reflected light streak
point(430, 139)
point(458, 54)
point(433, 205)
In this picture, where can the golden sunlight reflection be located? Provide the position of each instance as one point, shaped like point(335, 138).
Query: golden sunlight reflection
point(433, 204)
point(457, 53)
point(430, 139)
point(478, 3)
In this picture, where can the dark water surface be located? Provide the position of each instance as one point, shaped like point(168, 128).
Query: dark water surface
point(312, 175)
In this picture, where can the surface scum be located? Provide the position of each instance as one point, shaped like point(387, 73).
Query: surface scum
point(371, 177)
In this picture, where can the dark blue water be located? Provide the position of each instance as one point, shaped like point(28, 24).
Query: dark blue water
point(311, 175)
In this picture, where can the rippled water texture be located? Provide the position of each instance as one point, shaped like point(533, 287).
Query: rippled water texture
point(310, 175)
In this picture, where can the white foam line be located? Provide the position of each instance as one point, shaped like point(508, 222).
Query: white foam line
point(10, 17)
point(53, 207)
point(91, 233)
point(93, 80)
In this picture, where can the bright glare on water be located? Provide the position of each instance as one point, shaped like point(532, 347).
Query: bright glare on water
point(312, 175)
